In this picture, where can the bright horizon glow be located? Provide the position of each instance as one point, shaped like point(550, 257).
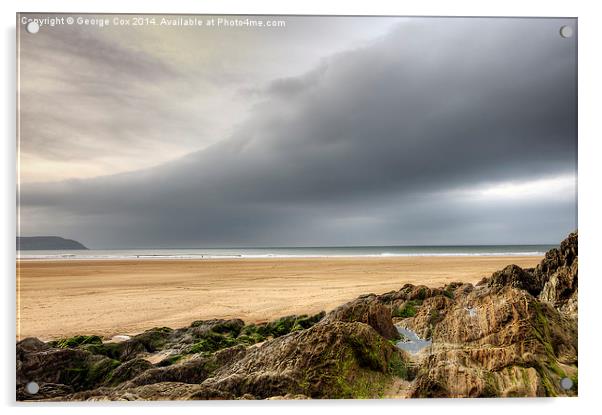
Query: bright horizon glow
point(553, 187)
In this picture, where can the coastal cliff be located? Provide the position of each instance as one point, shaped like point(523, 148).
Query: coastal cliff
point(37, 243)
point(512, 334)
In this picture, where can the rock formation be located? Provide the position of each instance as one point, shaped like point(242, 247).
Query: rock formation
point(513, 334)
point(366, 309)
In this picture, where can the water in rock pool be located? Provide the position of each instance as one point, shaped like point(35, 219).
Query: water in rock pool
point(410, 342)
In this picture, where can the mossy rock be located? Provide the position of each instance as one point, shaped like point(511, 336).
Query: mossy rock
point(211, 342)
point(434, 317)
point(249, 339)
point(448, 294)
point(127, 371)
point(170, 360)
point(153, 339)
point(281, 326)
point(255, 330)
point(408, 309)
point(214, 335)
point(101, 370)
point(76, 341)
point(331, 360)
point(230, 327)
point(398, 367)
point(366, 368)
point(122, 351)
point(368, 354)
point(89, 373)
point(306, 321)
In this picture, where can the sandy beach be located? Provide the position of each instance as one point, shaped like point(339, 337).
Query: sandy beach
point(106, 297)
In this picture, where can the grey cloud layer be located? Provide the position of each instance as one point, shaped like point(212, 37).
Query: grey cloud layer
point(97, 101)
point(361, 150)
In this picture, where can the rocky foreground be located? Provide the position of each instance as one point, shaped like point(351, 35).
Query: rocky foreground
point(513, 334)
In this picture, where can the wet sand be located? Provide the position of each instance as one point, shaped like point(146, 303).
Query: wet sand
point(107, 297)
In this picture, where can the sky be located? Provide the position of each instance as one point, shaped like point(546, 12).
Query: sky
point(327, 131)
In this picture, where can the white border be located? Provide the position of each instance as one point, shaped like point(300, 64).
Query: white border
point(590, 68)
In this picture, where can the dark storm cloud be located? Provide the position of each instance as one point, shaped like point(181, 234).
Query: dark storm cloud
point(388, 143)
point(287, 88)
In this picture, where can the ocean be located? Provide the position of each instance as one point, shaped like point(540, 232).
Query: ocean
point(305, 252)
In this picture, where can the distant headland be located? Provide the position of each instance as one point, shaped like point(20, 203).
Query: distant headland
point(31, 243)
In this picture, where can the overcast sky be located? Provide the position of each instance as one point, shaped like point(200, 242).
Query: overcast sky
point(329, 131)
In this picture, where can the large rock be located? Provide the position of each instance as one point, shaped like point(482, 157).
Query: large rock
point(560, 270)
point(561, 257)
point(497, 343)
point(366, 309)
point(221, 358)
point(514, 335)
point(154, 392)
point(553, 280)
point(128, 370)
point(47, 391)
point(329, 360)
point(515, 276)
point(333, 360)
point(66, 369)
point(194, 370)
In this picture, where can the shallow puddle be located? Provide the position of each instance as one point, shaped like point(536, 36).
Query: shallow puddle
point(410, 341)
